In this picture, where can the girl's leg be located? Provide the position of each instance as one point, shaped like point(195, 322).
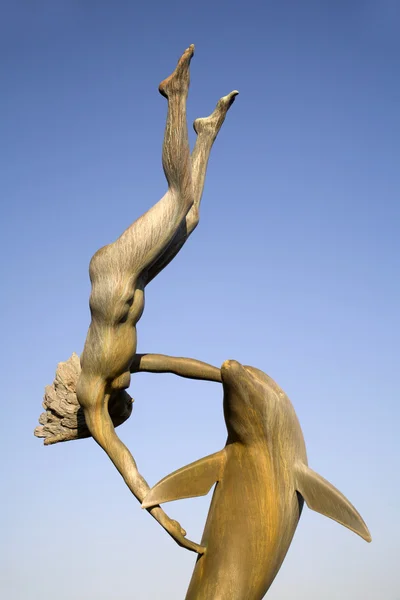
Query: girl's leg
point(207, 130)
point(148, 237)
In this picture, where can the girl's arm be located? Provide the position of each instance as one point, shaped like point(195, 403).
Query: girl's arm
point(184, 367)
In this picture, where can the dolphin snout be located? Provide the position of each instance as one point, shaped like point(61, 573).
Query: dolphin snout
point(231, 369)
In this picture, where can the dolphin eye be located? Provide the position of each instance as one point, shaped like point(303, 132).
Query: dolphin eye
point(123, 319)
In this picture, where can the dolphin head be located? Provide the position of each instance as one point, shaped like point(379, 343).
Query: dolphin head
point(251, 401)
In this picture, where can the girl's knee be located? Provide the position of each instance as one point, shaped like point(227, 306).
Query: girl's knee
point(192, 219)
point(101, 262)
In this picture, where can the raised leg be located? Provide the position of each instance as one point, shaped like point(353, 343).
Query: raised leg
point(148, 237)
point(176, 152)
point(207, 130)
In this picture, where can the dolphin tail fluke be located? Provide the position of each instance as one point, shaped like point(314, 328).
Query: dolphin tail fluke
point(323, 497)
point(190, 481)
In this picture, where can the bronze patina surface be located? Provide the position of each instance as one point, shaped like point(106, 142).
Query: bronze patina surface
point(262, 479)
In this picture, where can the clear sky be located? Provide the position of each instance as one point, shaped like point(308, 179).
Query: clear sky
point(293, 269)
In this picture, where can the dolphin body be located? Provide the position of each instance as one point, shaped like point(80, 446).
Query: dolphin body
point(262, 479)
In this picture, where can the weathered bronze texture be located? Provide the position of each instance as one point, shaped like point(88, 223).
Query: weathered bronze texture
point(262, 478)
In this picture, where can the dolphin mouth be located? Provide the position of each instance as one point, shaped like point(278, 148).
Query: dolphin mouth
point(230, 370)
point(235, 377)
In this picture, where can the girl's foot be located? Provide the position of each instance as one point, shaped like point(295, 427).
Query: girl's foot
point(178, 82)
point(213, 123)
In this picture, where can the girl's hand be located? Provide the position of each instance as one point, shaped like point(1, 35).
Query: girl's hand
point(178, 533)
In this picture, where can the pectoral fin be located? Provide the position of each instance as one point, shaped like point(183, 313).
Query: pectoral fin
point(193, 480)
point(323, 497)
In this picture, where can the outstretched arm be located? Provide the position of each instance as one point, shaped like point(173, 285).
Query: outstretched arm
point(184, 367)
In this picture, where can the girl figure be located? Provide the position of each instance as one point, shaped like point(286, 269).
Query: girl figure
point(119, 273)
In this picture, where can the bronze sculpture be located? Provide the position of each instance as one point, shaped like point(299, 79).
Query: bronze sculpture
point(263, 431)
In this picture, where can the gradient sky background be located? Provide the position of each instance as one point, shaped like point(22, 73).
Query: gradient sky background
point(293, 269)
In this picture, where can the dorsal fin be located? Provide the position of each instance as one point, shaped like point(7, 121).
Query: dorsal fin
point(190, 481)
point(323, 497)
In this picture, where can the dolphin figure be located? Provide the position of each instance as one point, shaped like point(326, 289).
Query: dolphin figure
point(262, 479)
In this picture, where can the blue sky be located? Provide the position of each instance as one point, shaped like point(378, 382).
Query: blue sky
point(293, 269)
